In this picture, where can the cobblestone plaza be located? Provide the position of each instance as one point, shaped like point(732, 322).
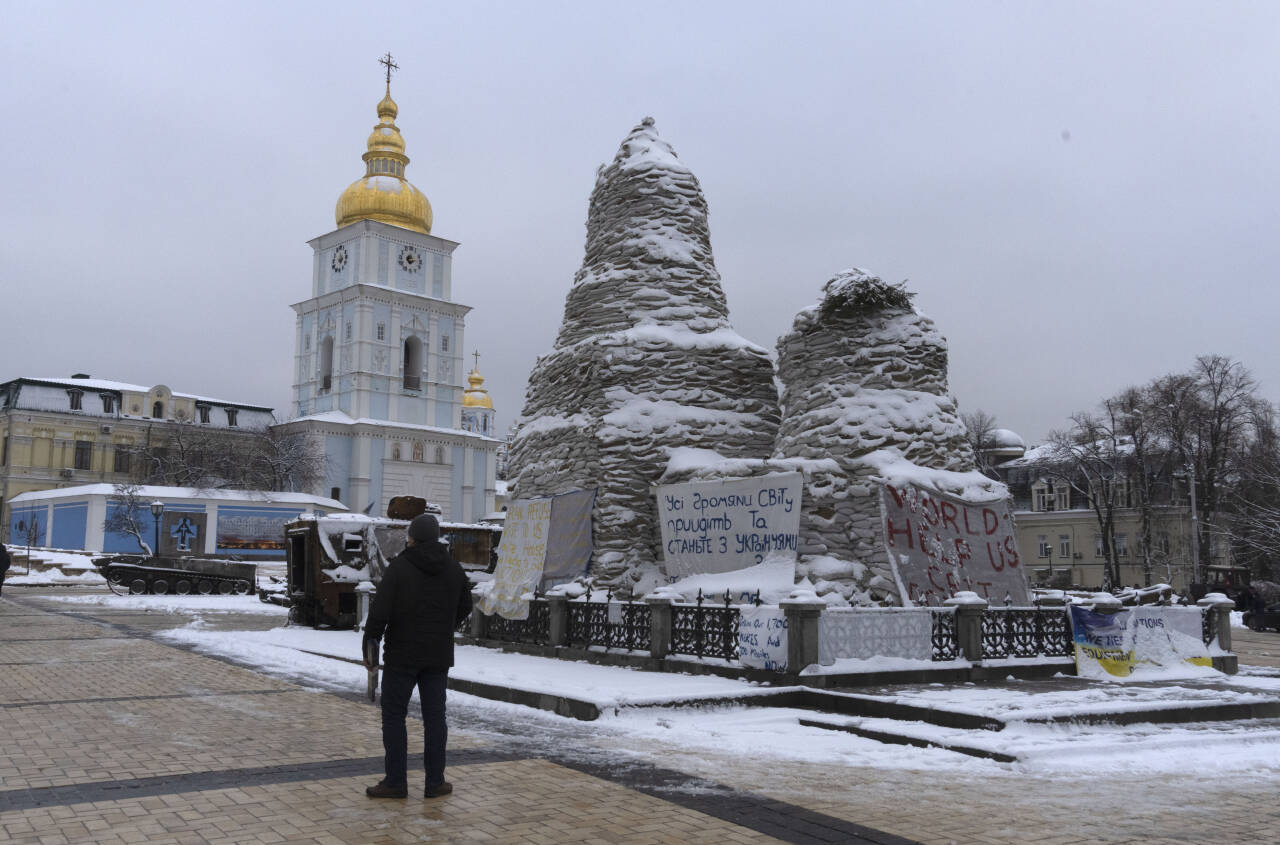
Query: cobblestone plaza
point(111, 735)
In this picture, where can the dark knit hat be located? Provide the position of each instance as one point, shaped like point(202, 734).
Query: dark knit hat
point(424, 528)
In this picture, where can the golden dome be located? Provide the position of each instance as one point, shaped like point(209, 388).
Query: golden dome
point(383, 194)
point(476, 396)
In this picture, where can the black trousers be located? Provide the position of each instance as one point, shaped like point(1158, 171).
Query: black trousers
point(397, 688)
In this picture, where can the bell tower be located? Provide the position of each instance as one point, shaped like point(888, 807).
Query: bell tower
point(378, 347)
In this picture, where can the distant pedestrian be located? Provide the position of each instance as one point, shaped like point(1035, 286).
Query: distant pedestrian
point(4, 563)
point(423, 596)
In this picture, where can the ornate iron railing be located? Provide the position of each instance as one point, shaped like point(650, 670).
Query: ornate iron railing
point(536, 629)
point(1025, 632)
point(705, 630)
point(945, 646)
point(1207, 633)
point(464, 627)
point(612, 624)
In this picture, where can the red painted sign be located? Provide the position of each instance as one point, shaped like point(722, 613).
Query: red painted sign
point(939, 545)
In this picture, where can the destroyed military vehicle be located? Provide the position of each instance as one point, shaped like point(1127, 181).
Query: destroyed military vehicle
point(329, 558)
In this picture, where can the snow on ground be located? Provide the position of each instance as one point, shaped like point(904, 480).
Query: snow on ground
point(179, 604)
point(51, 577)
point(634, 718)
point(52, 566)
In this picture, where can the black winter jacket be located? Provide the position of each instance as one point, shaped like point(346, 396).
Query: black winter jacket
point(423, 596)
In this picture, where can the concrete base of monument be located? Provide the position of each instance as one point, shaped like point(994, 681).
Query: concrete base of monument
point(947, 671)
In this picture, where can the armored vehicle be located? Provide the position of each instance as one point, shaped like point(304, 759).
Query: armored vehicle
point(180, 575)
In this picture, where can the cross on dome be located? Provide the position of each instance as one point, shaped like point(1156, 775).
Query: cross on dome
point(390, 65)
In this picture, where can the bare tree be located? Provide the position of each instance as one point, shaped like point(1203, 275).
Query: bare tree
point(1254, 499)
point(980, 428)
point(1091, 459)
point(125, 514)
point(1209, 420)
point(202, 458)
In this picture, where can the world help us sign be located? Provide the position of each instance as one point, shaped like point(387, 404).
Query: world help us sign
point(939, 545)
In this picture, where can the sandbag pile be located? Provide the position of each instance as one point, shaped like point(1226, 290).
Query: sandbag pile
point(645, 360)
point(863, 374)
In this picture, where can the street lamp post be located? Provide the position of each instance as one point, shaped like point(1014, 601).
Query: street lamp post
point(1195, 525)
point(157, 510)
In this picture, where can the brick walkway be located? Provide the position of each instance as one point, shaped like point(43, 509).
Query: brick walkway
point(112, 736)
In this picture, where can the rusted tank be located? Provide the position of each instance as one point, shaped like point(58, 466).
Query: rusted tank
point(329, 557)
point(181, 575)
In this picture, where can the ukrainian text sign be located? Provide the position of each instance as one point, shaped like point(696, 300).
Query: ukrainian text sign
point(722, 526)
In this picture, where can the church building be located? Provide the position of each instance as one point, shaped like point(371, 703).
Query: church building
point(378, 360)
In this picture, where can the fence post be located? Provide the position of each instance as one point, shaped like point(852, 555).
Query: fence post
point(802, 631)
point(479, 622)
point(558, 620)
point(659, 625)
point(364, 598)
point(1219, 608)
point(969, 609)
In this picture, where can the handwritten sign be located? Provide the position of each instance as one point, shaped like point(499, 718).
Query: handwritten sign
point(521, 556)
point(939, 545)
point(762, 638)
point(723, 526)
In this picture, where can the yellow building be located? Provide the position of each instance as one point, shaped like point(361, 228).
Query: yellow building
point(80, 430)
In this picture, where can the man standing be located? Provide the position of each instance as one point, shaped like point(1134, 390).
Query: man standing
point(423, 597)
point(4, 563)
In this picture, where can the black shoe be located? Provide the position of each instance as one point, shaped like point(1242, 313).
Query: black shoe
point(384, 790)
point(442, 788)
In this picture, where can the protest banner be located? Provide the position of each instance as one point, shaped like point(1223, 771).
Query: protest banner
point(762, 637)
point(723, 526)
point(521, 556)
point(1115, 644)
point(939, 545)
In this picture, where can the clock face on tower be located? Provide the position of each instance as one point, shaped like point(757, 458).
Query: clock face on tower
point(410, 259)
point(339, 259)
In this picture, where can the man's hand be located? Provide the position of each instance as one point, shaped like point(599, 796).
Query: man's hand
point(369, 647)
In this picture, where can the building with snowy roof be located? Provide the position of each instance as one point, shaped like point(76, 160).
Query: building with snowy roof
point(243, 523)
point(378, 360)
point(1058, 531)
point(59, 432)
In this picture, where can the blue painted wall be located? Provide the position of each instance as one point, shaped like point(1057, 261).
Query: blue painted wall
point(20, 520)
point(337, 470)
point(478, 478)
point(69, 523)
point(455, 496)
point(377, 451)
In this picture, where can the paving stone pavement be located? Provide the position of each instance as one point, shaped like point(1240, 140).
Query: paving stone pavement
point(108, 735)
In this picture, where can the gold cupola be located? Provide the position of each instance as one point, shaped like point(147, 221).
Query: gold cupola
point(383, 194)
point(476, 396)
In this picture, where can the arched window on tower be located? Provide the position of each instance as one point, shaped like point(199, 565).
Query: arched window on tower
point(326, 365)
point(157, 410)
point(412, 363)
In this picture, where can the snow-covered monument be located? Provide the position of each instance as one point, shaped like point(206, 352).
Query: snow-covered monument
point(646, 359)
point(649, 385)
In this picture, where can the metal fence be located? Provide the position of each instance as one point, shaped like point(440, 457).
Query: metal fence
point(535, 630)
point(705, 630)
point(1025, 632)
point(611, 624)
point(945, 644)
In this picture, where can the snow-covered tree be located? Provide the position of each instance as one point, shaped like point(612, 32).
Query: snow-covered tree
point(126, 514)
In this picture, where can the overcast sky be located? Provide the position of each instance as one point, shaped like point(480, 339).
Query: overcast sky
point(1083, 196)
